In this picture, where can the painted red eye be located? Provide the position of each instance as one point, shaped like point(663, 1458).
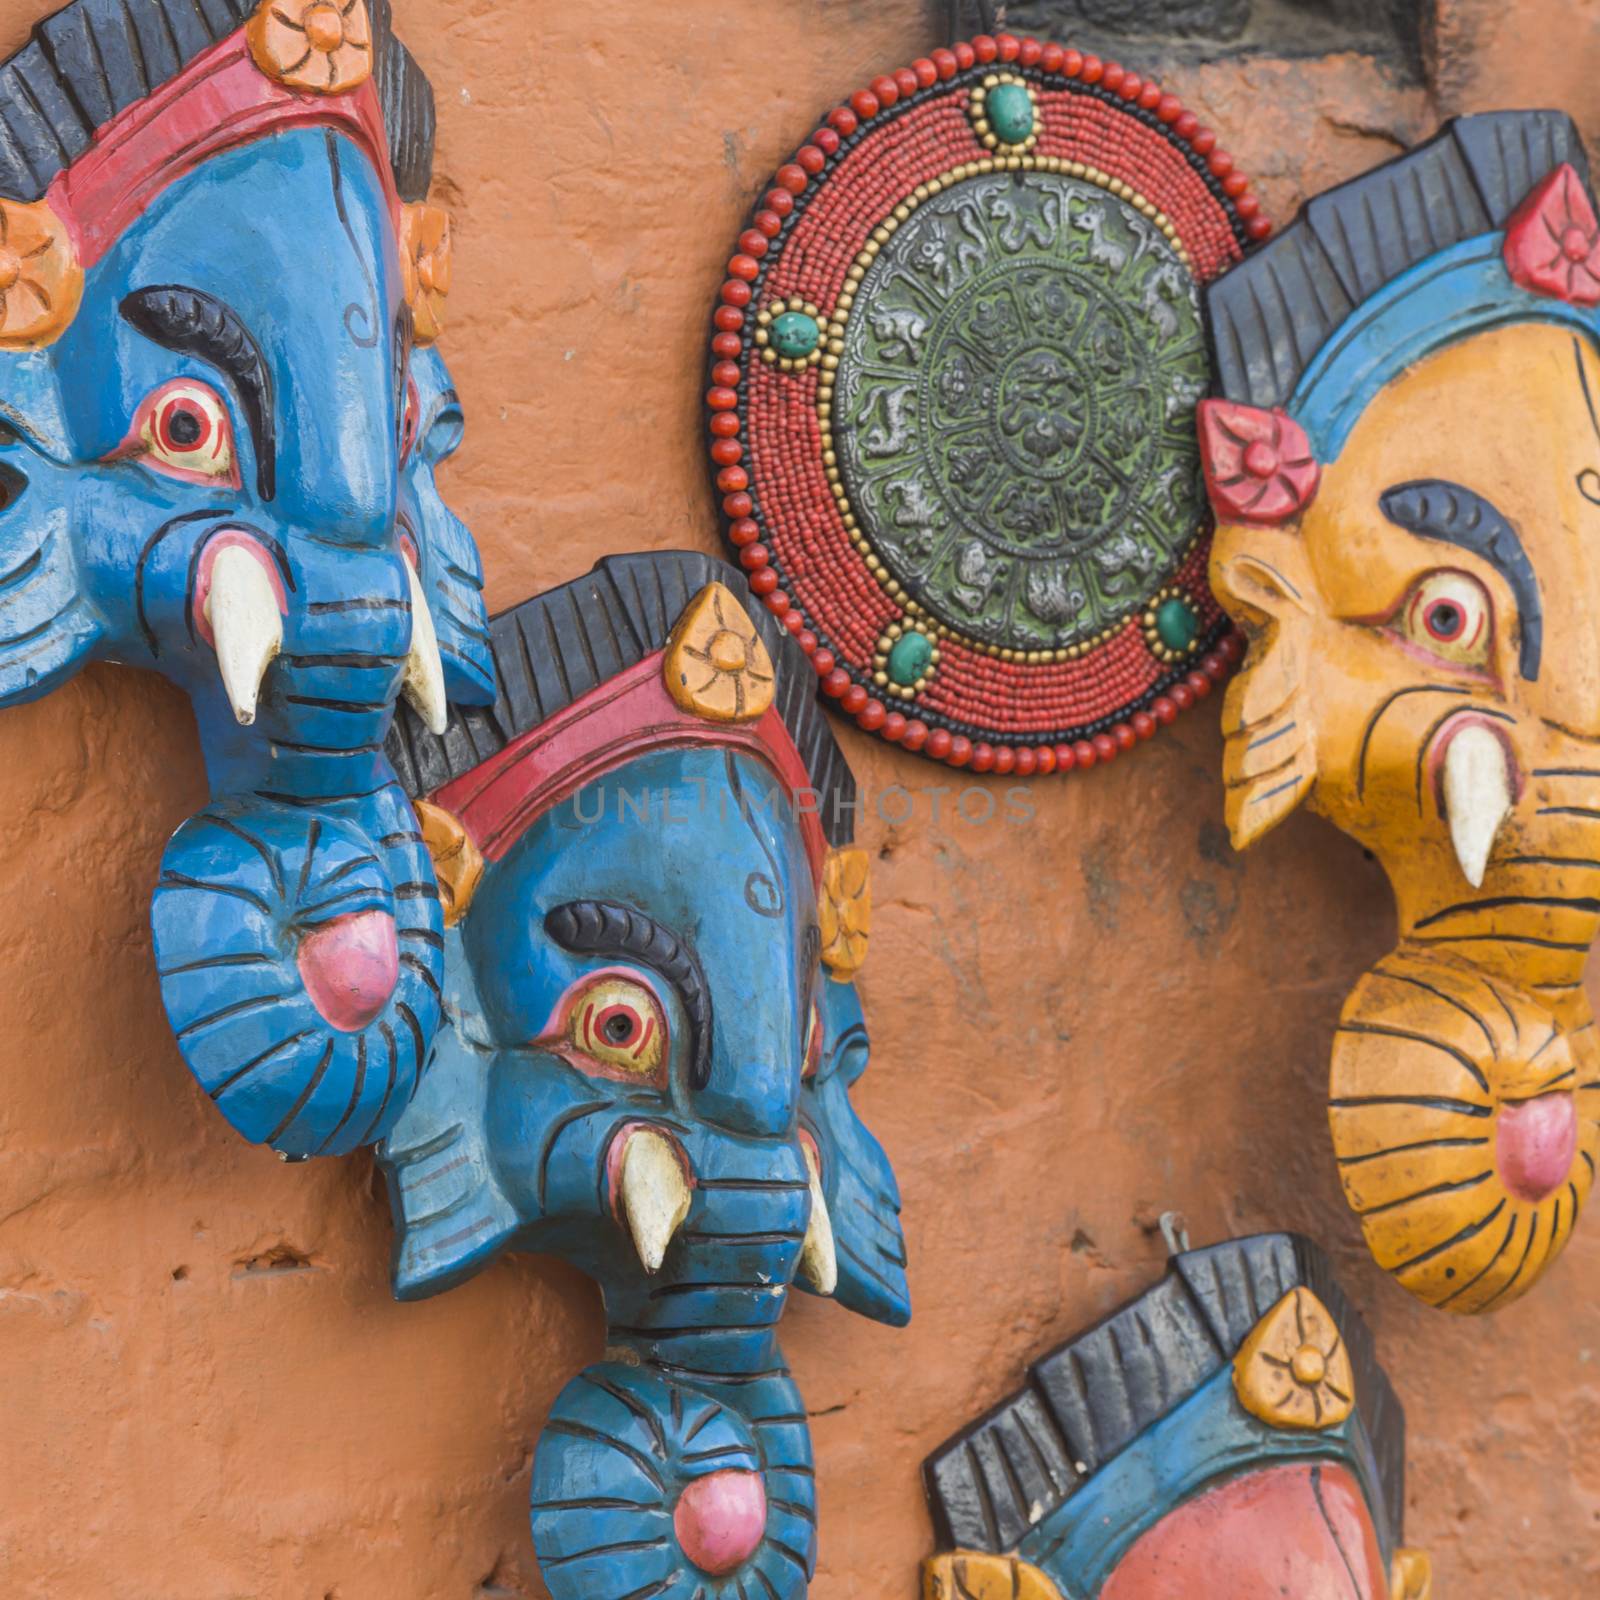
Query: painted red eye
point(183, 429)
point(614, 1026)
point(410, 421)
point(1445, 620)
point(1450, 615)
point(620, 1026)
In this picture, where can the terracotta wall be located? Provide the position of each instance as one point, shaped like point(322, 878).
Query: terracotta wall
point(206, 1392)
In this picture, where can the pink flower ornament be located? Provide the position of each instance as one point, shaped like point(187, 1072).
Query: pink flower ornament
point(1258, 464)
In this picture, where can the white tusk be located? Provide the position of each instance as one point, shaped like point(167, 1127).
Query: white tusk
point(423, 684)
point(655, 1194)
point(819, 1266)
point(246, 626)
point(1477, 797)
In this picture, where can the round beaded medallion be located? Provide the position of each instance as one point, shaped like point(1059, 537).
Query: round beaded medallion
point(954, 373)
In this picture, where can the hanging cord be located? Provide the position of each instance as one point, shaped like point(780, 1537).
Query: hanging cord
point(987, 17)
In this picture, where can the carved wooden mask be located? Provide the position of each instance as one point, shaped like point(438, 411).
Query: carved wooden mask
point(656, 918)
point(1233, 1421)
point(1405, 466)
point(219, 278)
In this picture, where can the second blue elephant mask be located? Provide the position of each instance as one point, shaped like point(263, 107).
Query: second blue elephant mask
point(655, 918)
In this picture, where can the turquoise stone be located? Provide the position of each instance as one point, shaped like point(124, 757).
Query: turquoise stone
point(1177, 626)
point(795, 335)
point(1009, 108)
point(910, 658)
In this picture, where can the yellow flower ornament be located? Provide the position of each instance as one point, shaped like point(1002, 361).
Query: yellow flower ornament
point(845, 911)
point(1294, 1371)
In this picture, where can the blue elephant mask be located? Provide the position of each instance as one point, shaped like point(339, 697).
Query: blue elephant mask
point(655, 917)
point(219, 426)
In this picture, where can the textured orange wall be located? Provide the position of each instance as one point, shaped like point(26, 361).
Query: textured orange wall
point(206, 1392)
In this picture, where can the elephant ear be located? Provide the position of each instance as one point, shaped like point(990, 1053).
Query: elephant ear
point(48, 625)
point(451, 1216)
point(1264, 582)
point(857, 1180)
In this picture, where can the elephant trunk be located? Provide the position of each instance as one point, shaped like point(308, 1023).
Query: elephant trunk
point(1466, 1118)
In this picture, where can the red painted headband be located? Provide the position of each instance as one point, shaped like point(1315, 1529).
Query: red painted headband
point(222, 99)
point(628, 716)
point(296, 64)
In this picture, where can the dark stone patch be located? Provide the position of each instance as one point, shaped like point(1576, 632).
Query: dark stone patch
point(1101, 884)
point(1389, 29)
point(1208, 912)
point(1216, 847)
point(1181, 19)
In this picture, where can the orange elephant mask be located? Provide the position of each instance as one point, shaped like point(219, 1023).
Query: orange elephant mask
point(1405, 467)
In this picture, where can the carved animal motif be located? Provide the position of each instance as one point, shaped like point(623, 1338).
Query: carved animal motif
point(1048, 596)
point(1410, 521)
point(653, 1034)
point(947, 253)
point(900, 330)
point(916, 512)
point(1166, 284)
point(896, 413)
point(1122, 556)
point(220, 451)
point(977, 572)
point(1147, 234)
point(1233, 1422)
point(1091, 219)
point(932, 259)
point(1026, 217)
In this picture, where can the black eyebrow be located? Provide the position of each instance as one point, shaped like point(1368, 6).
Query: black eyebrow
point(604, 928)
point(195, 323)
point(1434, 508)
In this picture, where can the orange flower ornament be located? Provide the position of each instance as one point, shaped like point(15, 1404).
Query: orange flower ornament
point(41, 282)
point(318, 46)
point(425, 252)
